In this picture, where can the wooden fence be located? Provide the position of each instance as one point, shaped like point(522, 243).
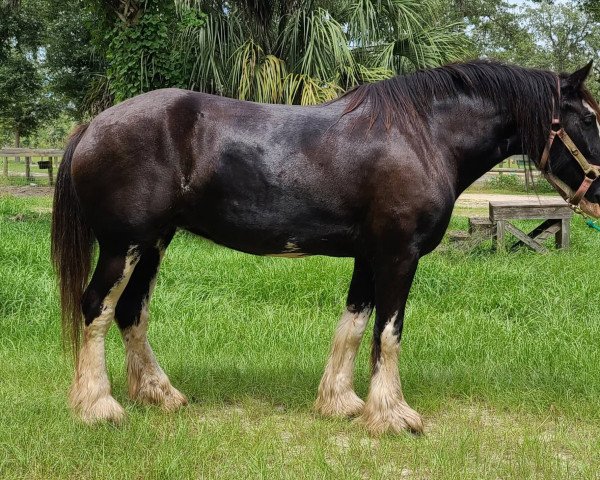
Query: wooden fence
point(49, 158)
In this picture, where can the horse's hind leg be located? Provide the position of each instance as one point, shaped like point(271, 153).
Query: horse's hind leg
point(90, 394)
point(336, 395)
point(147, 381)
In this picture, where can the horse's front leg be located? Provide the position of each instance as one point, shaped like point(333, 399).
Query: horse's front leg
point(385, 409)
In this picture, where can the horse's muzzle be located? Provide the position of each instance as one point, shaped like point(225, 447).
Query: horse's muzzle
point(591, 208)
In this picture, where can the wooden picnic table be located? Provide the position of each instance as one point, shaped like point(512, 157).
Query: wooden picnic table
point(556, 220)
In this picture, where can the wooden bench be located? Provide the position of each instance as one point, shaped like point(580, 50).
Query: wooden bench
point(556, 220)
point(480, 227)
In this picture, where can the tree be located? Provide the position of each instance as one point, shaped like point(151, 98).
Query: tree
point(18, 26)
point(592, 7)
point(25, 102)
point(143, 53)
point(551, 35)
point(287, 51)
point(565, 39)
point(135, 48)
point(495, 28)
point(73, 62)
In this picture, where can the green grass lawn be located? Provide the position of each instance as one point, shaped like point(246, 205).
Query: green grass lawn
point(501, 356)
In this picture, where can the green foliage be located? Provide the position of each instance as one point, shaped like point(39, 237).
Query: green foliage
point(73, 60)
point(557, 36)
point(52, 133)
point(142, 53)
point(513, 183)
point(592, 7)
point(565, 39)
point(20, 26)
point(138, 56)
point(24, 101)
point(96, 52)
point(291, 52)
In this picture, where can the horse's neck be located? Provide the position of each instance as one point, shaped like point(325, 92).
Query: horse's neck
point(476, 137)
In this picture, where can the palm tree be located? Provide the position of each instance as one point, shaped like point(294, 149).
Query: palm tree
point(307, 52)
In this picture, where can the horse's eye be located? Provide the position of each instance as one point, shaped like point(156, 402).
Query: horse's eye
point(589, 119)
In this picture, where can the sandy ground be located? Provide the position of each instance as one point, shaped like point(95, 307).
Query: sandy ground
point(27, 191)
point(479, 200)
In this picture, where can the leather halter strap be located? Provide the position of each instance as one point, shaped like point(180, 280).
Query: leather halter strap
point(591, 172)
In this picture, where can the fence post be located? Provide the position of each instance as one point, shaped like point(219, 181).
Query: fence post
point(50, 171)
point(28, 168)
point(5, 168)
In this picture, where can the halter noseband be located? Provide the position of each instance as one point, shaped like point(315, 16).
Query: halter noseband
point(591, 172)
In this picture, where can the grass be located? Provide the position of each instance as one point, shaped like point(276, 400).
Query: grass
point(512, 183)
point(500, 355)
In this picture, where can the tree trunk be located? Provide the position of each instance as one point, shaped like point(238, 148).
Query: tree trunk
point(17, 144)
point(5, 167)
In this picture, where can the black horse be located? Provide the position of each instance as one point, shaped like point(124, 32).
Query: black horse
point(372, 175)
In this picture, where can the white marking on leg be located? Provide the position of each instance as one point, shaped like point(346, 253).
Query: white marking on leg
point(146, 380)
point(336, 393)
point(385, 408)
point(90, 394)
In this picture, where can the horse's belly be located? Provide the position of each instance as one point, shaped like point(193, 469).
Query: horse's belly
point(269, 202)
point(274, 232)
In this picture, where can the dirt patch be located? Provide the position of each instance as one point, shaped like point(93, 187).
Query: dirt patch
point(479, 200)
point(27, 191)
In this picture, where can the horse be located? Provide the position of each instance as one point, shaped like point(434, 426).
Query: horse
point(372, 175)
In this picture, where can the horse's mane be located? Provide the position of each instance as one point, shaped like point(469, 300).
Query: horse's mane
point(527, 94)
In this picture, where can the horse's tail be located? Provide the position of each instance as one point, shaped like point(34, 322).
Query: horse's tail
point(72, 246)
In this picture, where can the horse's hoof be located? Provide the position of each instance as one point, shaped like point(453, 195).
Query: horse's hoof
point(160, 393)
point(395, 419)
point(335, 404)
point(104, 409)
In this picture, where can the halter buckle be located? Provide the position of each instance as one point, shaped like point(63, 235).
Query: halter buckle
point(592, 173)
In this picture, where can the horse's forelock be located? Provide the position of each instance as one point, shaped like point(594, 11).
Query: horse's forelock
point(591, 101)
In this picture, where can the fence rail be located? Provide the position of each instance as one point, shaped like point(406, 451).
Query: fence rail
point(52, 155)
point(31, 152)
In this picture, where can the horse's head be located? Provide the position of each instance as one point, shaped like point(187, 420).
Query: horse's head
point(573, 164)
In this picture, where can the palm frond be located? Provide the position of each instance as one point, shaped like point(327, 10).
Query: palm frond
point(306, 90)
point(374, 74)
point(256, 76)
point(212, 47)
point(289, 51)
point(270, 80)
point(315, 45)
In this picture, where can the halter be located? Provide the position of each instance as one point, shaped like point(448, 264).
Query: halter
point(591, 172)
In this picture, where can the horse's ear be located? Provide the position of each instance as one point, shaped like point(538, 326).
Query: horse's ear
point(576, 79)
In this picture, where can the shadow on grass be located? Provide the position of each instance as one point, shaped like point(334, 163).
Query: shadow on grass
point(296, 389)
